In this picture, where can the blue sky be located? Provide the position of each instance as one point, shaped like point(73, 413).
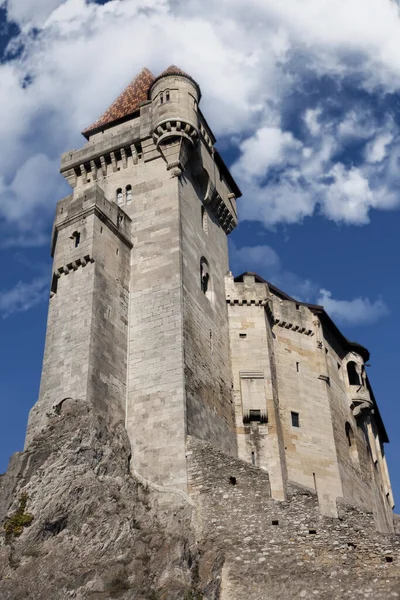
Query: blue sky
point(304, 99)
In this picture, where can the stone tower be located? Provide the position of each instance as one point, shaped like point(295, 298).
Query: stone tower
point(138, 318)
point(147, 324)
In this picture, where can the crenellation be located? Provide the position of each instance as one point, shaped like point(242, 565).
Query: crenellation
point(153, 329)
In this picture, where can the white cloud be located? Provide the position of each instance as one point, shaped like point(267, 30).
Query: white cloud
point(359, 311)
point(311, 179)
point(311, 118)
point(269, 147)
point(249, 57)
point(28, 200)
point(376, 150)
point(23, 296)
point(348, 198)
point(34, 13)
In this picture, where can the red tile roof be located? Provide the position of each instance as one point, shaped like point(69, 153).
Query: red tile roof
point(126, 104)
point(132, 97)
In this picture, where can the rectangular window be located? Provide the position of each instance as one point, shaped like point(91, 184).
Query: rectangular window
point(254, 403)
point(54, 283)
point(254, 415)
point(295, 419)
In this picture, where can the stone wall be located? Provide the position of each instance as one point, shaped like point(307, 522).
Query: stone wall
point(88, 304)
point(208, 382)
point(302, 363)
point(285, 550)
point(156, 402)
point(254, 380)
point(310, 448)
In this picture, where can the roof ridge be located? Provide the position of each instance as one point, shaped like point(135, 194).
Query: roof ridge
point(127, 103)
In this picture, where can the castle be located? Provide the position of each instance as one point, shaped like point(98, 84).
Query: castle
point(146, 321)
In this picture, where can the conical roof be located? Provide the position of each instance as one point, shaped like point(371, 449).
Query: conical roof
point(126, 104)
point(174, 70)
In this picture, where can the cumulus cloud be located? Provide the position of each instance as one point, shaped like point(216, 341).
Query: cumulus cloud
point(257, 62)
point(359, 311)
point(376, 150)
point(34, 13)
point(23, 296)
point(295, 178)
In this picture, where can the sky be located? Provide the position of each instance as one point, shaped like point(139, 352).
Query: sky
point(304, 100)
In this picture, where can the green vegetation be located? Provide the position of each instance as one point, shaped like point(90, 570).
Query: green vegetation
point(15, 524)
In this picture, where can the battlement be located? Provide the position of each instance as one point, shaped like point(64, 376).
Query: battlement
point(145, 323)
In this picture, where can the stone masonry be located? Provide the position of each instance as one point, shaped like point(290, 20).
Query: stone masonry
point(147, 324)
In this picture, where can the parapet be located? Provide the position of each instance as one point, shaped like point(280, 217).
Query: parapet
point(73, 208)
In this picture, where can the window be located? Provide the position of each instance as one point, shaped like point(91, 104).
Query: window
point(253, 458)
point(354, 378)
point(295, 419)
point(204, 219)
point(204, 276)
point(351, 443)
point(128, 194)
point(119, 196)
point(161, 98)
point(167, 96)
point(349, 434)
point(297, 367)
point(54, 284)
point(254, 415)
point(76, 237)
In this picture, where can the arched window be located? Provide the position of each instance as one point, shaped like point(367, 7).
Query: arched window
point(166, 95)
point(205, 276)
point(354, 378)
point(128, 190)
point(204, 219)
point(76, 237)
point(161, 98)
point(119, 196)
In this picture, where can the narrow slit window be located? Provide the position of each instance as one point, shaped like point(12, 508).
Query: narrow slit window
point(161, 98)
point(54, 284)
point(128, 194)
point(349, 434)
point(167, 96)
point(76, 238)
point(204, 276)
point(295, 419)
point(253, 458)
point(297, 367)
point(119, 196)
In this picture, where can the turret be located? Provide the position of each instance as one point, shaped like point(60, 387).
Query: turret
point(174, 96)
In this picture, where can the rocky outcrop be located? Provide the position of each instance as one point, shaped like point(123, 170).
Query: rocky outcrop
point(96, 531)
point(77, 524)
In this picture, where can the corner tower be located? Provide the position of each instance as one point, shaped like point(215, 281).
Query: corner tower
point(142, 327)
